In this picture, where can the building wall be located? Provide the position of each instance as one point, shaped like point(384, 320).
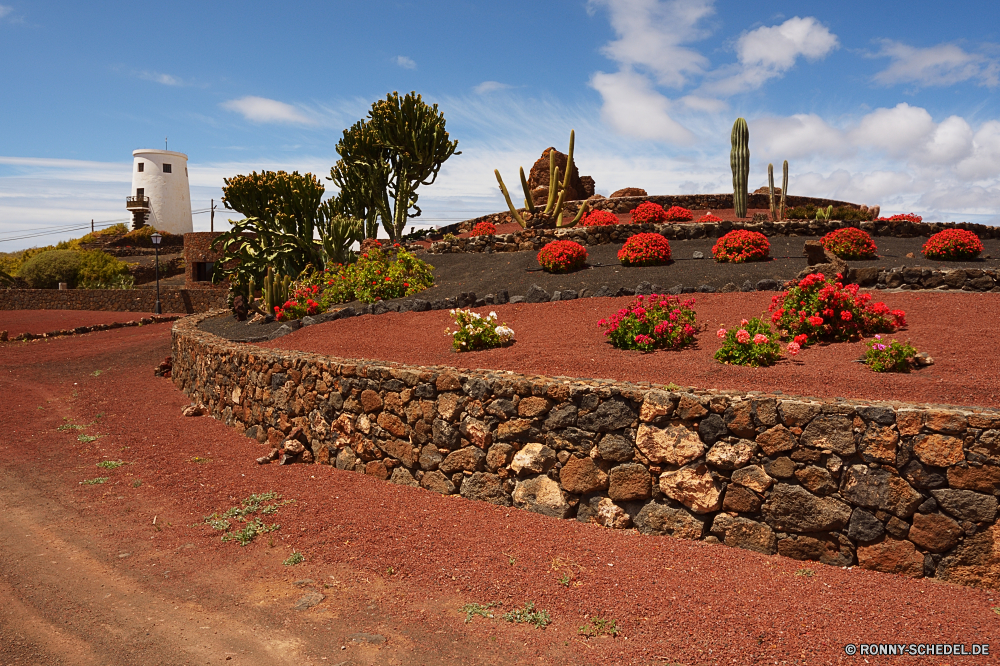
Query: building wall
point(113, 300)
point(169, 193)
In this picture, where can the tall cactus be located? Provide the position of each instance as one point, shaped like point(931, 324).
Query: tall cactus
point(770, 192)
point(784, 189)
point(274, 292)
point(739, 161)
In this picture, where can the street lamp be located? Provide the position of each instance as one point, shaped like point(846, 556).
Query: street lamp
point(156, 237)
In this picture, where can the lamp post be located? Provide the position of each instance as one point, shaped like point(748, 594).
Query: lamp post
point(156, 237)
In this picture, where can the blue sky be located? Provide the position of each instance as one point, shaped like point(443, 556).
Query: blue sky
point(893, 104)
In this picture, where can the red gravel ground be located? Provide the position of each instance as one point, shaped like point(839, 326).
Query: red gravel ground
point(125, 573)
point(563, 338)
point(16, 322)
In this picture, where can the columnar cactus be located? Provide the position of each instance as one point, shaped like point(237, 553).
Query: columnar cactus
point(779, 212)
point(739, 161)
point(770, 192)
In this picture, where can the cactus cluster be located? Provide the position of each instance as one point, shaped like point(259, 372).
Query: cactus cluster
point(824, 213)
point(274, 292)
point(779, 212)
point(557, 192)
point(739, 161)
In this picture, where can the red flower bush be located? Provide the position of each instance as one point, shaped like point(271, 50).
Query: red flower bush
point(599, 218)
point(815, 308)
point(648, 213)
point(709, 217)
point(850, 243)
point(562, 256)
point(952, 245)
point(483, 229)
point(678, 214)
point(645, 250)
point(906, 217)
point(656, 322)
point(741, 246)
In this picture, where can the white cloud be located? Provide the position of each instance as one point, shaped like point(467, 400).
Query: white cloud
point(5, 10)
point(650, 34)
point(940, 65)
point(490, 86)
point(632, 108)
point(984, 162)
point(405, 63)
point(896, 131)
point(795, 136)
point(264, 110)
point(770, 51)
point(158, 77)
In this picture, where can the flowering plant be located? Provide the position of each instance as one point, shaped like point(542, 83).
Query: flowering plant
point(476, 332)
point(562, 256)
point(822, 309)
point(648, 213)
point(892, 357)
point(376, 276)
point(740, 246)
point(850, 243)
point(751, 344)
point(645, 250)
point(305, 300)
point(483, 229)
point(952, 244)
point(709, 217)
point(679, 214)
point(654, 322)
point(906, 217)
point(599, 218)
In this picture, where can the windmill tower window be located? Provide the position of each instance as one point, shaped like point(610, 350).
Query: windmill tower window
point(140, 192)
point(140, 166)
point(166, 168)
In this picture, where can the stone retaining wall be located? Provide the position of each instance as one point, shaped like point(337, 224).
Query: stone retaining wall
point(891, 487)
point(534, 239)
point(114, 300)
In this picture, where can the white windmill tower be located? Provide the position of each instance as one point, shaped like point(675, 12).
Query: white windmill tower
point(161, 196)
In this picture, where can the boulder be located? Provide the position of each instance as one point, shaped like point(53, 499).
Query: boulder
point(934, 532)
point(498, 456)
point(741, 500)
point(403, 477)
point(628, 192)
point(430, 457)
point(609, 514)
point(539, 178)
point(865, 527)
point(659, 519)
point(743, 533)
point(727, 456)
point(967, 505)
point(832, 549)
point(438, 483)
point(468, 459)
point(794, 509)
point(975, 562)
point(879, 489)
point(533, 458)
point(615, 448)
point(892, 556)
point(693, 487)
point(879, 445)
point(656, 406)
point(833, 432)
point(628, 482)
point(778, 439)
point(582, 476)
point(674, 445)
point(938, 450)
point(816, 480)
point(485, 488)
point(540, 494)
point(753, 477)
point(612, 414)
point(983, 479)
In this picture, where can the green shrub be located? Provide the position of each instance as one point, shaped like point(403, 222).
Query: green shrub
point(110, 231)
point(102, 271)
point(48, 269)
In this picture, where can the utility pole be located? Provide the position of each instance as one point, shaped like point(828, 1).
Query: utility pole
point(212, 219)
point(91, 225)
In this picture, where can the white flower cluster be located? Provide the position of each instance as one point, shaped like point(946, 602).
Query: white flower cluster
point(506, 333)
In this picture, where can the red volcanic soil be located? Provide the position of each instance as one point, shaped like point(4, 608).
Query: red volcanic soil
point(16, 322)
point(563, 338)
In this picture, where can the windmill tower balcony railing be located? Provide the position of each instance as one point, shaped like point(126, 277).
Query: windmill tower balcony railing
point(137, 204)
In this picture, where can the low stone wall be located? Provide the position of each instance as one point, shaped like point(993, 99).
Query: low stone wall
point(908, 489)
point(114, 300)
point(534, 239)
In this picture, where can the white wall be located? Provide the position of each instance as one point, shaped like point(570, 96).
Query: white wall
point(169, 193)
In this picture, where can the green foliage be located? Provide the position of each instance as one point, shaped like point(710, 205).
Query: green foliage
point(892, 357)
point(102, 271)
point(472, 610)
point(378, 276)
point(260, 503)
point(845, 213)
point(94, 482)
point(110, 464)
point(385, 158)
point(475, 332)
point(751, 344)
point(48, 269)
point(739, 162)
point(113, 230)
point(598, 626)
point(658, 321)
point(293, 559)
point(143, 237)
point(539, 618)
